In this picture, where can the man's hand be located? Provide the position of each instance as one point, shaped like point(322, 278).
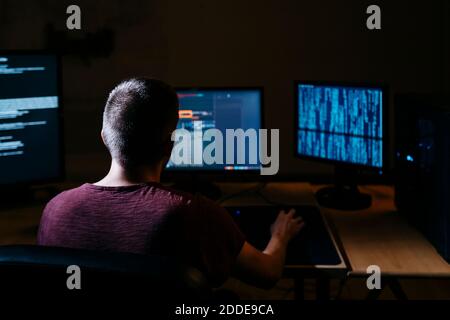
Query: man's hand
point(265, 268)
point(286, 226)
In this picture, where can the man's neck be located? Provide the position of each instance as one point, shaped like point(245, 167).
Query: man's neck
point(119, 176)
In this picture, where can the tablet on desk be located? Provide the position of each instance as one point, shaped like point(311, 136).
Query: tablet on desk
point(314, 246)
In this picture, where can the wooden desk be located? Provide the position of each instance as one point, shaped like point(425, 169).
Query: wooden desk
point(376, 236)
point(380, 236)
point(20, 225)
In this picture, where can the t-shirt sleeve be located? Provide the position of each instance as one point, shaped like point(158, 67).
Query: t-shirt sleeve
point(220, 240)
point(44, 235)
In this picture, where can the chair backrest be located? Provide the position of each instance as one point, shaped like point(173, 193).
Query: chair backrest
point(29, 268)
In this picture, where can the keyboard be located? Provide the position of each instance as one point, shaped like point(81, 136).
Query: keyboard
point(312, 246)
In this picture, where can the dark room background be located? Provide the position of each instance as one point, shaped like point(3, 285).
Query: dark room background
point(228, 43)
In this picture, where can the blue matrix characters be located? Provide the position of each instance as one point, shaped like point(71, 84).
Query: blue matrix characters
point(341, 124)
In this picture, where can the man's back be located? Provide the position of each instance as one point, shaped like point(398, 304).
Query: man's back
point(146, 219)
point(139, 118)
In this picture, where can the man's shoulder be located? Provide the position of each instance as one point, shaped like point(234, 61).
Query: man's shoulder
point(187, 197)
point(67, 195)
point(157, 194)
point(195, 204)
point(195, 201)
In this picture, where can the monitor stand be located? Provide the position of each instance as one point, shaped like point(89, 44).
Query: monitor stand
point(199, 185)
point(344, 195)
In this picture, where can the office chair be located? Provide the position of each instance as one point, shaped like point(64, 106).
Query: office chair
point(27, 268)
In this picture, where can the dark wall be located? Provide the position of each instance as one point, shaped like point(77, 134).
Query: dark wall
point(207, 43)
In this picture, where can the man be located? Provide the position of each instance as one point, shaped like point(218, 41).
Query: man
point(130, 211)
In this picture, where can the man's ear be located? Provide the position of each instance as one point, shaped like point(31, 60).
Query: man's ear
point(102, 135)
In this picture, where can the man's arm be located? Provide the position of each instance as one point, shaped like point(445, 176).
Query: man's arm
point(265, 268)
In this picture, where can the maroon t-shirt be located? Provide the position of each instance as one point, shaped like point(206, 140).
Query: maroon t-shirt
point(146, 219)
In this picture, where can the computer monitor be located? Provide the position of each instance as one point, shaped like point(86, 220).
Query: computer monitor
point(30, 118)
point(217, 108)
point(343, 124)
point(222, 109)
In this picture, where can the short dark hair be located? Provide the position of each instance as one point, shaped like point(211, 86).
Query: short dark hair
point(139, 116)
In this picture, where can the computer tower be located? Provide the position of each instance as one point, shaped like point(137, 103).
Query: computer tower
point(422, 166)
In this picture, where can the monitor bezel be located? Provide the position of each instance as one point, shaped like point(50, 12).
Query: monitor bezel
point(61, 175)
point(218, 175)
point(385, 119)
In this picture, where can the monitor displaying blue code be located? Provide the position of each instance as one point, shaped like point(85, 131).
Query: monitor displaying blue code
point(341, 123)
